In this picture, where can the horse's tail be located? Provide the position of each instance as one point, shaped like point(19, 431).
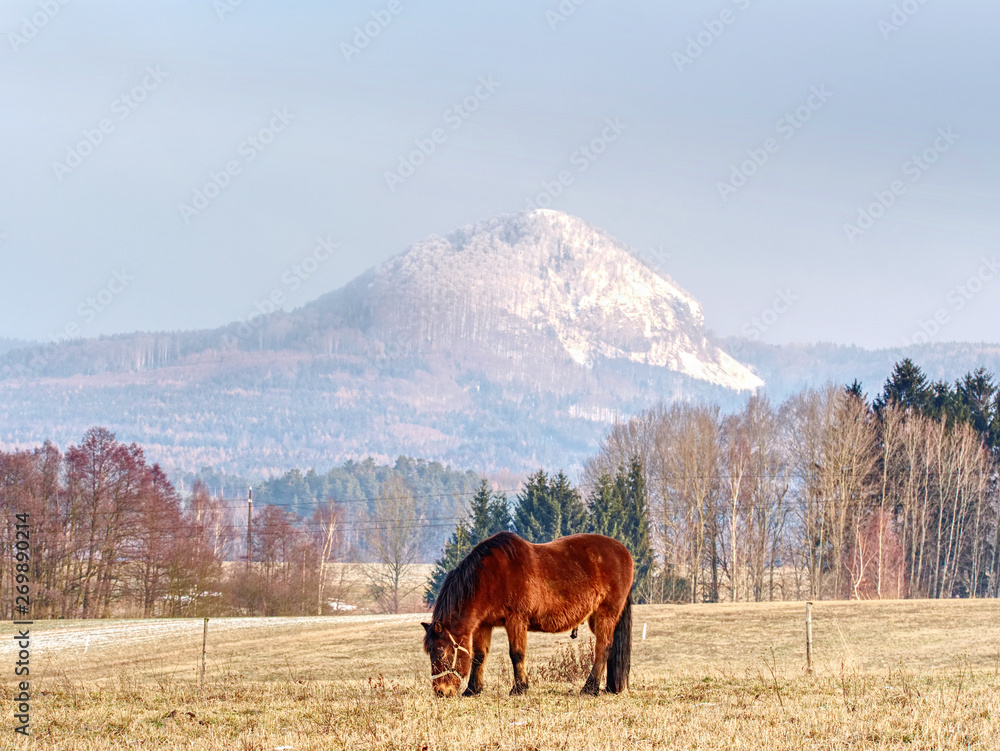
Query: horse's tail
point(620, 659)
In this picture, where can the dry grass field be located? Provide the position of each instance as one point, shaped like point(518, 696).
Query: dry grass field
point(895, 675)
point(350, 583)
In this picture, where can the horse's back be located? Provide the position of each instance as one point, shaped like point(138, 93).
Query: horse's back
point(586, 541)
point(597, 553)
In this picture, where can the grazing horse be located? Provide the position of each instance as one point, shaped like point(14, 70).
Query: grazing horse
point(552, 587)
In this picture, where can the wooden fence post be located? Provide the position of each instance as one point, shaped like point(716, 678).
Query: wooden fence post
point(809, 638)
point(204, 643)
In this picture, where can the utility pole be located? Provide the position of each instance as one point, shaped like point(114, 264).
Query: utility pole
point(249, 526)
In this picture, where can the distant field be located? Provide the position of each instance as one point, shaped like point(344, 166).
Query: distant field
point(349, 583)
point(906, 675)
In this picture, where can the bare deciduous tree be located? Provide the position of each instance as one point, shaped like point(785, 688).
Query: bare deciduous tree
point(395, 537)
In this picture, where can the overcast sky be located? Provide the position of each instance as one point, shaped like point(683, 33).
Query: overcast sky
point(809, 171)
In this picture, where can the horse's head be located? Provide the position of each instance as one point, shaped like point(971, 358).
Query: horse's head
point(450, 661)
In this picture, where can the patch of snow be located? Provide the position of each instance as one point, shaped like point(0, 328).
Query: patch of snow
point(119, 634)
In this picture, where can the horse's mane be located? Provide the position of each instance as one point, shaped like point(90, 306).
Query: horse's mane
point(461, 582)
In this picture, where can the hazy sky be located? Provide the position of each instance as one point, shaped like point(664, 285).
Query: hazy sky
point(809, 171)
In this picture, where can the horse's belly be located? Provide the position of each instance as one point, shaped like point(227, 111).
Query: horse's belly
point(553, 623)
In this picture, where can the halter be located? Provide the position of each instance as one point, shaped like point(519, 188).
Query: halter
point(454, 657)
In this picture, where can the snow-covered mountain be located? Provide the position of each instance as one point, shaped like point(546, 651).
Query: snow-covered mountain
point(543, 283)
point(509, 343)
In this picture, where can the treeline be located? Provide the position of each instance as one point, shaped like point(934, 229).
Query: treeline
point(104, 526)
point(826, 495)
point(441, 494)
point(111, 536)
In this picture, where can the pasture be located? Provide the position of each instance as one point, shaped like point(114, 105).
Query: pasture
point(893, 675)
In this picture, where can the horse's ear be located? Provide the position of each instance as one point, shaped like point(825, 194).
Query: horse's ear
point(427, 626)
point(438, 628)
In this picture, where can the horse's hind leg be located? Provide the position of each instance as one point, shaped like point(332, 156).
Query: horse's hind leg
point(480, 648)
point(517, 638)
point(603, 627)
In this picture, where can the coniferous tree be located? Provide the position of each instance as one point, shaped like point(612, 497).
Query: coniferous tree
point(978, 400)
point(907, 387)
point(636, 526)
point(619, 509)
point(489, 513)
point(856, 390)
point(457, 547)
point(607, 514)
point(942, 403)
point(572, 511)
point(549, 508)
point(537, 517)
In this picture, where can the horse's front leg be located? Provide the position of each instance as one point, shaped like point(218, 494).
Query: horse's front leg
point(480, 648)
point(517, 638)
point(603, 626)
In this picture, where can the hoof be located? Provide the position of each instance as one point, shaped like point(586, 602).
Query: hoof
point(519, 689)
point(573, 633)
point(470, 692)
point(590, 689)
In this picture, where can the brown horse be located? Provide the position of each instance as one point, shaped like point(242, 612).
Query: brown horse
point(552, 587)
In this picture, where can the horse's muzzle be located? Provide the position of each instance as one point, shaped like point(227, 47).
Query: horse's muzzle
point(446, 688)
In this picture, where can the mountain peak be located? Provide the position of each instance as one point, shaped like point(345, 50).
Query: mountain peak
point(548, 282)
